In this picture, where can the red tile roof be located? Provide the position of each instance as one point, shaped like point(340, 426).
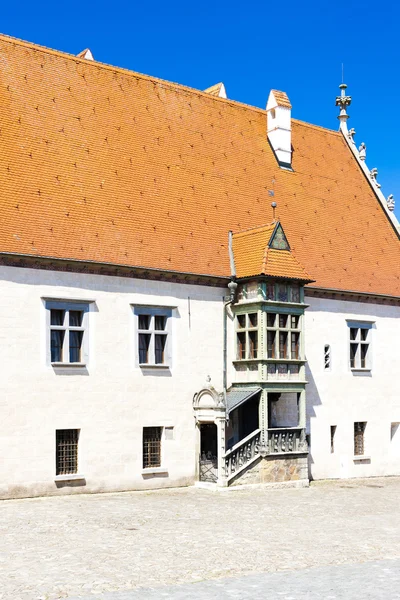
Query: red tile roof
point(103, 164)
point(254, 256)
point(282, 99)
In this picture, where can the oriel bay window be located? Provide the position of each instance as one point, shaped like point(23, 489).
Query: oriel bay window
point(153, 336)
point(247, 336)
point(67, 330)
point(283, 336)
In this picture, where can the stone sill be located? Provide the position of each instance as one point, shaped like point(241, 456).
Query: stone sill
point(155, 471)
point(71, 477)
point(360, 370)
point(59, 365)
point(291, 453)
point(359, 457)
point(149, 366)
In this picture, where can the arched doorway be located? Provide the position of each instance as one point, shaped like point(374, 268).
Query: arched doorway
point(208, 470)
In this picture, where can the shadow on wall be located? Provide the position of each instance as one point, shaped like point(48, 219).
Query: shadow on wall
point(313, 399)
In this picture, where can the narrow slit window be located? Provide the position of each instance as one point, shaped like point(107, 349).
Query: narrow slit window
point(327, 357)
point(333, 433)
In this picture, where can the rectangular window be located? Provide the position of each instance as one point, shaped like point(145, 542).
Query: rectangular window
point(247, 336)
point(67, 332)
point(67, 451)
point(360, 345)
point(359, 429)
point(333, 432)
point(283, 336)
point(153, 336)
point(151, 447)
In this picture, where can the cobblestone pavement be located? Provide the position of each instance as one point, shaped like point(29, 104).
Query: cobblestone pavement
point(88, 545)
point(375, 581)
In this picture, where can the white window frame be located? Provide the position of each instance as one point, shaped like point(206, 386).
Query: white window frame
point(153, 311)
point(366, 326)
point(289, 330)
point(68, 306)
point(246, 331)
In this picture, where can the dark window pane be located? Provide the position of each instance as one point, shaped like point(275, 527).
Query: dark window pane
point(253, 320)
point(295, 338)
point(282, 293)
point(270, 291)
point(253, 346)
point(144, 343)
point(294, 322)
point(364, 352)
point(271, 344)
point(151, 447)
point(271, 319)
point(353, 333)
point(57, 317)
point(75, 345)
point(241, 346)
point(160, 322)
point(241, 321)
point(295, 295)
point(144, 321)
point(283, 320)
point(75, 318)
point(283, 349)
point(56, 344)
point(160, 341)
point(364, 334)
point(353, 353)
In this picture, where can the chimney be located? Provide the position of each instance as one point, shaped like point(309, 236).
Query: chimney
point(279, 127)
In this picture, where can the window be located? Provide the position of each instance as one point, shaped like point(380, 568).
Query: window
point(151, 447)
point(359, 429)
point(247, 336)
point(67, 451)
point(360, 345)
point(67, 326)
point(327, 357)
point(283, 336)
point(333, 432)
point(153, 336)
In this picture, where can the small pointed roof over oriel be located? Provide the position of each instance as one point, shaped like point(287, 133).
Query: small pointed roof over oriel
point(265, 251)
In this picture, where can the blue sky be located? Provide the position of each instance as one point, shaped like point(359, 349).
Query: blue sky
point(252, 47)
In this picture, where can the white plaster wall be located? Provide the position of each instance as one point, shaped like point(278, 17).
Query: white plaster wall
point(113, 400)
point(340, 397)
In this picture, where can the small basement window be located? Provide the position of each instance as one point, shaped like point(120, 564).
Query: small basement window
point(151, 447)
point(67, 451)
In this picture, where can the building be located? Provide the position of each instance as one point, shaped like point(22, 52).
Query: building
point(161, 323)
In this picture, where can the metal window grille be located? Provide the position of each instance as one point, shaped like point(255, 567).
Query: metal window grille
point(151, 447)
point(359, 429)
point(67, 451)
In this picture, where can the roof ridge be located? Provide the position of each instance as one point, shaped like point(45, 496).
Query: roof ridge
point(101, 65)
point(256, 228)
point(318, 127)
point(96, 63)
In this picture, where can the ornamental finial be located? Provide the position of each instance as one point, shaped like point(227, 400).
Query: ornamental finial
point(390, 202)
point(343, 102)
point(362, 151)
